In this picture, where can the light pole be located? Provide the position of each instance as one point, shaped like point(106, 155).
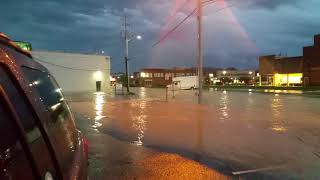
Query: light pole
point(128, 39)
point(200, 53)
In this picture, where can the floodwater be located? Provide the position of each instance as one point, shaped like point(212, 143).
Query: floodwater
point(243, 133)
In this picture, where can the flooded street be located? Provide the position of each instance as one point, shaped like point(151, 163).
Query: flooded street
point(243, 134)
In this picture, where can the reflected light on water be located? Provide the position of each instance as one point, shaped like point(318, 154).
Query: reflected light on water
point(99, 103)
point(224, 109)
point(143, 93)
point(279, 129)
point(139, 121)
point(276, 108)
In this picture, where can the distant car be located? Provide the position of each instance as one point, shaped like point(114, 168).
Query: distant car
point(38, 136)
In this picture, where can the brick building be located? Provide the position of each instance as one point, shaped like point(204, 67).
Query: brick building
point(281, 71)
point(311, 63)
point(156, 77)
point(302, 70)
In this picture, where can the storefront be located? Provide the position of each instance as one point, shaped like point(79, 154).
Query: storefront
point(294, 79)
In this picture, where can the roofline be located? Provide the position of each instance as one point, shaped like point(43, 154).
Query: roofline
point(291, 57)
point(64, 52)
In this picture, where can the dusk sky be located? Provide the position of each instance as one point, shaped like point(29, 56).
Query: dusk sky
point(235, 36)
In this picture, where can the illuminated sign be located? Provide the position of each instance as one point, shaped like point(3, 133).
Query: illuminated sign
point(24, 45)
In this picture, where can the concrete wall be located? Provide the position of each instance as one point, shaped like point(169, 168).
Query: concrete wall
point(75, 72)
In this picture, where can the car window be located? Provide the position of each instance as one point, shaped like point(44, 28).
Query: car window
point(34, 137)
point(61, 126)
point(13, 161)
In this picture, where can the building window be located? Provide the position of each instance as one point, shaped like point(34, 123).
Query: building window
point(158, 75)
point(288, 79)
point(180, 74)
point(148, 83)
point(146, 75)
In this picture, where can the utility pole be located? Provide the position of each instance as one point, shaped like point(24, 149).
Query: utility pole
point(128, 37)
point(126, 53)
point(200, 53)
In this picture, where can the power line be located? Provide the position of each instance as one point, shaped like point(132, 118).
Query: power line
point(185, 19)
point(175, 28)
point(180, 8)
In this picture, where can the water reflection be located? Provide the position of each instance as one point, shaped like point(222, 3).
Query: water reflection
point(283, 91)
point(223, 107)
point(277, 124)
point(99, 103)
point(143, 93)
point(139, 120)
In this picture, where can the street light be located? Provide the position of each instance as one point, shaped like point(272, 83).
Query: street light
point(224, 72)
point(98, 76)
point(128, 39)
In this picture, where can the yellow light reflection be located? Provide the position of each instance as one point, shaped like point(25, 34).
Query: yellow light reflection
point(139, 121)
point(279, 129)
point(277, 122)
point(99, 103)
point(224, 107)
point(143, 93)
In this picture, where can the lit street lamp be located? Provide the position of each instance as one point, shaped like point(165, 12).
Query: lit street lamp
point(128, 38)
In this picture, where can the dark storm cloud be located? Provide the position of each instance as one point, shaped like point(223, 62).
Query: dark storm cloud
point(92, 26)
point(78, 25)
point(270, 4)
point(73, 25)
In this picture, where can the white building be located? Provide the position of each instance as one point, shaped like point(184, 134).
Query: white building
point(77, 72)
